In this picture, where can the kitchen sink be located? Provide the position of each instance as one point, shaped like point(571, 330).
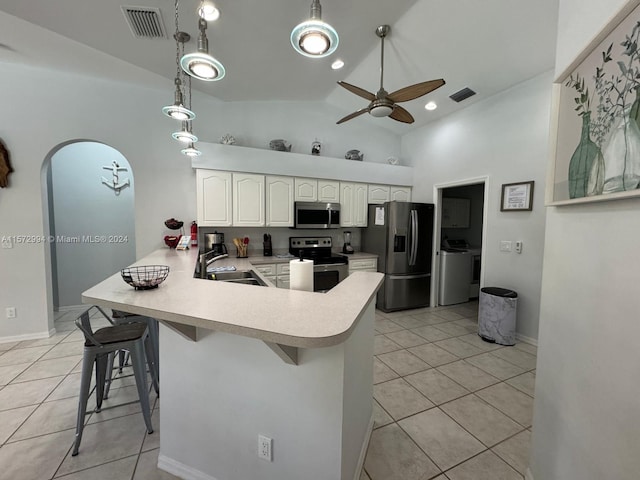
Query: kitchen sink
point(248, 277)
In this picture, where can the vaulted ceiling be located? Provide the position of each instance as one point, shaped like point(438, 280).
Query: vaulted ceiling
point(486, 45)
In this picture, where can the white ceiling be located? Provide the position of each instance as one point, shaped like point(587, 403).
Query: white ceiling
point(487, 45)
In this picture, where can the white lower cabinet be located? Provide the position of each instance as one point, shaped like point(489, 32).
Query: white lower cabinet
point(213, 198)
point(353, 204)
point(248, 200)
point(276, 273)
point(279, 201)
point(363, 265)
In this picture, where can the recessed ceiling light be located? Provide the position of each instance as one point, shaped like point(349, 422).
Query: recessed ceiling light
point(337, 65)
point(431, 106)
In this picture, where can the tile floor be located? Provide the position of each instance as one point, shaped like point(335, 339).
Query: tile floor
point(446, 406)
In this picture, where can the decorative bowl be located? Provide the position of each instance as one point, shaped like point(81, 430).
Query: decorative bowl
point(173, 224)
point(171, 241)
point(145, 277)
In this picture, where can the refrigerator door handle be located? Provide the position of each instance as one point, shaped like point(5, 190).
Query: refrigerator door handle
point(413, 237)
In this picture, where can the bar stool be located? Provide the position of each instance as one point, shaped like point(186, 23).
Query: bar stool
point(98, 346)
point(124, 318)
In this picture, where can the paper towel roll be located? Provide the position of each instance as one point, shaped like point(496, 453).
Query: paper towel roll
point(301, 275)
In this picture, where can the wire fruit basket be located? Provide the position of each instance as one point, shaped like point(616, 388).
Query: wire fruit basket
point(145, 277)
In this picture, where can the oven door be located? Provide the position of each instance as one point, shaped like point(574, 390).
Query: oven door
point(325, 277)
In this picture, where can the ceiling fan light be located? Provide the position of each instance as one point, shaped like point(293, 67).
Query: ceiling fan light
point(381, 111)
point(191, 151)
point(202, 66)
point(208, 11)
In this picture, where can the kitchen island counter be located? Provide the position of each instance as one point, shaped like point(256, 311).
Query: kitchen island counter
point(287, 317)
point(227, 388)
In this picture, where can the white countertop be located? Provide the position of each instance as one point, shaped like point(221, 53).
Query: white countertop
point(286, 317)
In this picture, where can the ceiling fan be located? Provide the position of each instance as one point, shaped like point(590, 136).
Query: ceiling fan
point(383, 104)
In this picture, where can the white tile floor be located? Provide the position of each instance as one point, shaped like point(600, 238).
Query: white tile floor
point(447, 406)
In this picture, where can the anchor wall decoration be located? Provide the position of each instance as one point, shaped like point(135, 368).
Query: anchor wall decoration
point(115, 184)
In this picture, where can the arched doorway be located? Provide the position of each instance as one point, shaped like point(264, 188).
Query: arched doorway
point(91, 220)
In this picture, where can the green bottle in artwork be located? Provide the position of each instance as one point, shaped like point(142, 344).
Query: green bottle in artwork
point(582, 160)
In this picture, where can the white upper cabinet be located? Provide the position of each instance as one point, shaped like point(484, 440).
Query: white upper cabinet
point(306, 190)
point(353, 204)
point(279, 201)
point(328, 191)
point(379, 193)
point(248, 200)
point(400, 194)
point(455, 212)
point(213, 198)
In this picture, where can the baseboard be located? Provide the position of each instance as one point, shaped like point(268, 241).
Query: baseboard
point(181, 470)
point(70, 308)
point(525, 339)
point(528, 475)
point(28, 336)
point(363, 452)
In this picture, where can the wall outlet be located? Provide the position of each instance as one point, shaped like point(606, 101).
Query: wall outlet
point(519, 246)
point(6, 242)
point(11, 312)
point(505, 245)
point(264, 448)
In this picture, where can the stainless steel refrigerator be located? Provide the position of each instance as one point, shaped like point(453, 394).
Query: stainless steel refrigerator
point(401, 234)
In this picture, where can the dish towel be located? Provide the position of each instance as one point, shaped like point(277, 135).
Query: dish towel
point(230, 268)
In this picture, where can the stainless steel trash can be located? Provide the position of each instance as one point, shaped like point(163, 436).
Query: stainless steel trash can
point(497, 315)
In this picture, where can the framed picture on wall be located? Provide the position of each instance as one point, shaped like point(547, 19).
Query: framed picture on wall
point(517, 197)
point(595, 126)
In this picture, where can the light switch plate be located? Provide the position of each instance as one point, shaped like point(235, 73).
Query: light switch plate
point(505, 245)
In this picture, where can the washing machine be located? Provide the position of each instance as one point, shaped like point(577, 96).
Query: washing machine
point(455, 276)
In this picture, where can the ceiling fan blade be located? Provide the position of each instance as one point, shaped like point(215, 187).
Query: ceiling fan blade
point(401, 115)
point(414, 91)
point(358, 91)
point(353, 115)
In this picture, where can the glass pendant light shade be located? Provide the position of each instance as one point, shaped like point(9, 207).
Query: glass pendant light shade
point(185, 135)
point(191, 151)
point(200, 64)
point(177, 111)
point(315, 38)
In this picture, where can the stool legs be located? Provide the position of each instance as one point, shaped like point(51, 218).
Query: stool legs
point(140, 372)
point(85, 384)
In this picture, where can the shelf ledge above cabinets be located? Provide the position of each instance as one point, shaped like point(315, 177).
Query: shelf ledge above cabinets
point(256, 160)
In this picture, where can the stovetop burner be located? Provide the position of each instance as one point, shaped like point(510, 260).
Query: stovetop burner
point(317, 249)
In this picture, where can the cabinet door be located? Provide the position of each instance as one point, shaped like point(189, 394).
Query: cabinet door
point(360, 194)
point(379, 194)
point(346, 204)
point(283, 281)
point(400, 194)
point(248, 200)
point(328, 191)
point(279, 201)
point(306, 190)
point(455, 212)
point(213, 198)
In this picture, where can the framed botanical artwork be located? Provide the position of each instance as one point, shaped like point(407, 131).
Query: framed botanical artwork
point(517, 197)
point(595, 127)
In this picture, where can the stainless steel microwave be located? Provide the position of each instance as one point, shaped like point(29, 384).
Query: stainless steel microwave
point(317, 215)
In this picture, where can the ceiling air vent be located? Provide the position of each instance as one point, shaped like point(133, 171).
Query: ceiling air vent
point(144, 22)
point(463, 94)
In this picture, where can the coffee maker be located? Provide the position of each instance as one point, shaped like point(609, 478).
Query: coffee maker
point(347, 248)
point(214, 243)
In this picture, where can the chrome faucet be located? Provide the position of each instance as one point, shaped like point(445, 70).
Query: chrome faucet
point(204, 263)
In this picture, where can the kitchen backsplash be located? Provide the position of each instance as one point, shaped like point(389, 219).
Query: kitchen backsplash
point(279, 237)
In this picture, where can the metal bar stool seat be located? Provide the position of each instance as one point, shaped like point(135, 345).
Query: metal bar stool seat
point(98, 346)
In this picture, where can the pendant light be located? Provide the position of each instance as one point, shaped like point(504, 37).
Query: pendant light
point(191, 151)
point(185, 135)
point(314, 38)
point(178, 111)
point(200, 64)
point(208, 11)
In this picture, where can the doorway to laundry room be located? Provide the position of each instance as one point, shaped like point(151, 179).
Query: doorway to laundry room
point(459, 240)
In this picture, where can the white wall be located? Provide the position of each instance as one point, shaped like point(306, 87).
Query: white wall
point(586, 411)
point(85, 207)
point(504, 138)
point(50, 108)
